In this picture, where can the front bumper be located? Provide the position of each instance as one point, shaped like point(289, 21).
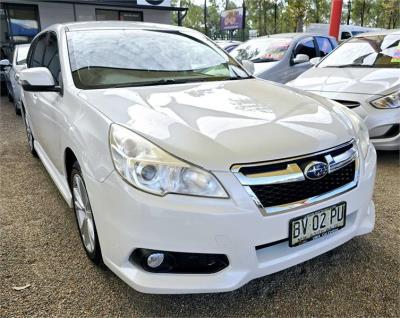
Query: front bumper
point(127, 219)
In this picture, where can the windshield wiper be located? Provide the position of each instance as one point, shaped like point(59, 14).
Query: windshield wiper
point(236, 78)
point(352, 65)
point(168, 81)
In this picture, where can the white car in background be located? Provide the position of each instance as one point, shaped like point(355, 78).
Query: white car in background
point(11, 74)
point(346, 31)
point(186, 174)
point(363, 74)
point(227, 45)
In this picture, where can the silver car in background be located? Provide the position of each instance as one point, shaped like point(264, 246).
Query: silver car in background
point(283, 57)
point(364, 75)
point(11, 74)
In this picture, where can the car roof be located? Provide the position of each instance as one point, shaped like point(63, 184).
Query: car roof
point(227, 42)
point(294, 35)
point(375, 33)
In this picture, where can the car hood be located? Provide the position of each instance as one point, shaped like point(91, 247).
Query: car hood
point(369, 81)
point(217, 124)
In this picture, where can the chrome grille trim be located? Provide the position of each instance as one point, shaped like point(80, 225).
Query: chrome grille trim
point(237, 167)
point(292, 174)
point(339, 161)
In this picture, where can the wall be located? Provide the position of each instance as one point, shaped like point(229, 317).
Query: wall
point(87, 13)
point(51, 13)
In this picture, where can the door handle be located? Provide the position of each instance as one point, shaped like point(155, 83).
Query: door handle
point(34, 96)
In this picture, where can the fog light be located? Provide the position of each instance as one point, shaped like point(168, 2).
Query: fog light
point(155, 260)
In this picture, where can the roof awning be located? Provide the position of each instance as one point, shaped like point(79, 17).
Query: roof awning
point(119, 3)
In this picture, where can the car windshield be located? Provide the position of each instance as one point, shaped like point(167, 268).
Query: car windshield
point(366, 51)
point(123, 58)
point(22, 53)
point(262, 50)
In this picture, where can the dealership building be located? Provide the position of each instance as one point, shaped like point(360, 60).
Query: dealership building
point(22, 20)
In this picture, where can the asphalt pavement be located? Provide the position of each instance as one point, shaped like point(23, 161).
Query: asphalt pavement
point(41, 254)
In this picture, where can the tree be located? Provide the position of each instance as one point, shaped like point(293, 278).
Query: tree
point(299, 11)
point(319, 11)
point(277, 16)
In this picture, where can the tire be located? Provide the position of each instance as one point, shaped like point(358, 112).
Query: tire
point(17, 110)
point(29, 135)
point(10, 97)
point(84, 216)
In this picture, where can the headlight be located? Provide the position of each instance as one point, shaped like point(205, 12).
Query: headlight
point(151, 169)
point(388, 101)
point(359, 127)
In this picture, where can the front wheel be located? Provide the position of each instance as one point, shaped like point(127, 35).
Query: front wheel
point(10, 97)
point(84, 215)
point(17, 110)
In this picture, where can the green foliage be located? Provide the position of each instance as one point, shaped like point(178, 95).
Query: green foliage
point(277, 16)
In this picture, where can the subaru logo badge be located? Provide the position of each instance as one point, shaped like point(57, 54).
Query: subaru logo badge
point(316, 170)
point(154, 2)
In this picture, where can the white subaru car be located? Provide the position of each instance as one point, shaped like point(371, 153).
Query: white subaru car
point(363, 74)
point(186, 174)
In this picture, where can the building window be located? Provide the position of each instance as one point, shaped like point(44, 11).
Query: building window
point(19, 24)
point(104, 15)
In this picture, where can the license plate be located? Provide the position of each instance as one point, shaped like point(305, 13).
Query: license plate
point(317, 224)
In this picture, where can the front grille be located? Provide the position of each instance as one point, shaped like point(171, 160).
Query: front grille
point(348, 103)
point(278, 194)
point(292, 182)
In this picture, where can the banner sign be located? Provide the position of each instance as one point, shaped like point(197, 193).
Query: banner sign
point(160, 3)
point(232, 19)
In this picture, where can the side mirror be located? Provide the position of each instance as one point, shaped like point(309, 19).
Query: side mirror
point(5, 63)
point(248, 66)
point(315, 60)
point(301, 58)
point(38, 79)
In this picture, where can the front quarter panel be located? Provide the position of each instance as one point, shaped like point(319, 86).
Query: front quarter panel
point(86, 134)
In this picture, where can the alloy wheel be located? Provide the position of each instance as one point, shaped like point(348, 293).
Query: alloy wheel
point(84, 213)
point(29, 133)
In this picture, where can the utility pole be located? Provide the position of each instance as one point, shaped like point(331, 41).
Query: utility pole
point(275, 14)
point(348, 11)
point(336, 14)
point(244, 20)
point(205, 18)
